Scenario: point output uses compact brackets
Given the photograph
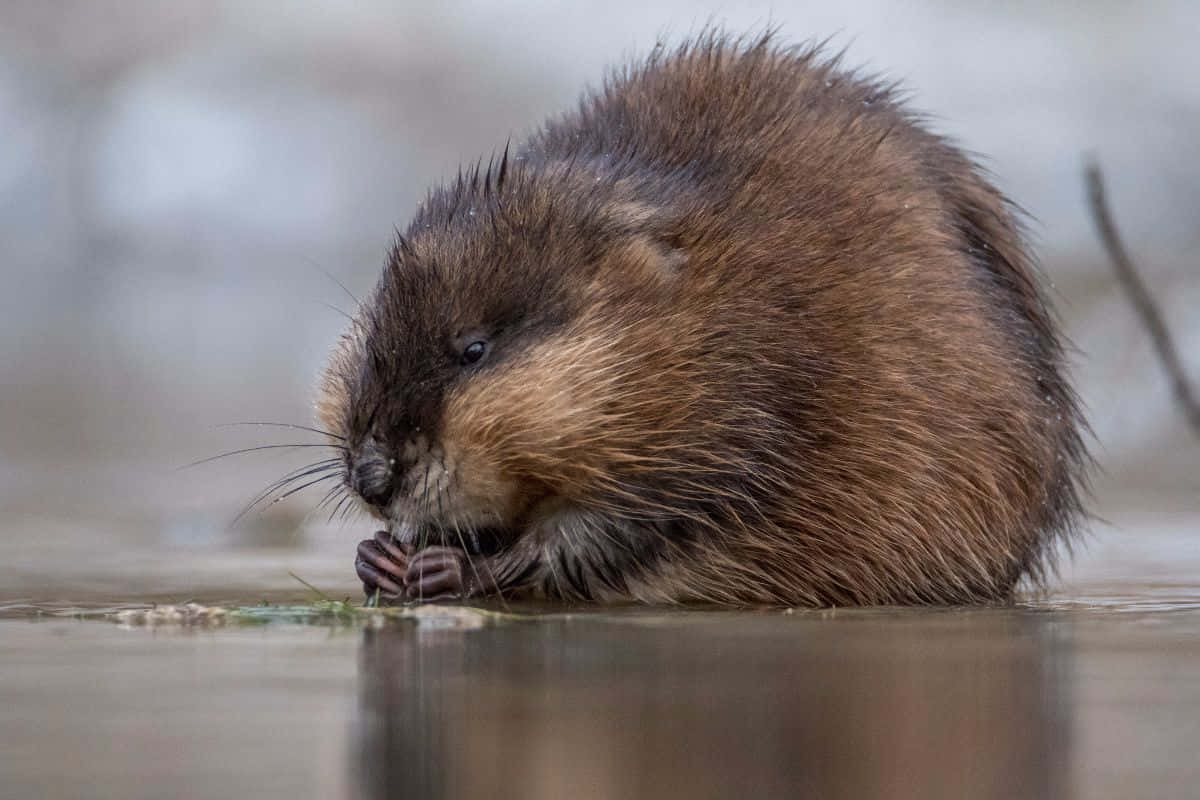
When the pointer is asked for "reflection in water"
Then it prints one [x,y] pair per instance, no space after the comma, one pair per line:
[917,705]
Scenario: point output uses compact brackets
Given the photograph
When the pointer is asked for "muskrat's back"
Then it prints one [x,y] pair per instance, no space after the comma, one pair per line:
[746,333]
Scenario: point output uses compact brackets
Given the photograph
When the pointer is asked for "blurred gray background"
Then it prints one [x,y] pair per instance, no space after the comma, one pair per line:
[177,178]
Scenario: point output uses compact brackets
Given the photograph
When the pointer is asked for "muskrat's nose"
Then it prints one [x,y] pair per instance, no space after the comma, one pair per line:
[371,474]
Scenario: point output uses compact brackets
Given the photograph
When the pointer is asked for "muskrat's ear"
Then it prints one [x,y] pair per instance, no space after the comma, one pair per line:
[648,239]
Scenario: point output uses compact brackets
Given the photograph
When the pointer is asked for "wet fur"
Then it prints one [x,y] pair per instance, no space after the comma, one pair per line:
[759,338]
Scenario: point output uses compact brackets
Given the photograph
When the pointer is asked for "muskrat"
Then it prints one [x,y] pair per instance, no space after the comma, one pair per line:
[738,330]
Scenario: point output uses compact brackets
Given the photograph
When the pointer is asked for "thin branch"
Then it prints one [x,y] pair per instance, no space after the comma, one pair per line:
[1132,283]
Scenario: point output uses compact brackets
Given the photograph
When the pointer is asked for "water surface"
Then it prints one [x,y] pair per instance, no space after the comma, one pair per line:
[1062,699]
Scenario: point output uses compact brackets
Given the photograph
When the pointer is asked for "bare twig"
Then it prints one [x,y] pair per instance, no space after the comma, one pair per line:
[1132,283]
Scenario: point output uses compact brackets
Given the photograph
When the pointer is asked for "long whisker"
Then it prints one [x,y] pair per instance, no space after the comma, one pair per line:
[283,425]
[253,450]
[470,559]
[462,541]
[553,573]
[278,484]
[488,566]
[302,472]
[422,531]
[338,507]
[301,487]
[425,492]
[346,509]
[328,497]
[322,502]
[341,285]
[291,492]
[327,466]
[336,310]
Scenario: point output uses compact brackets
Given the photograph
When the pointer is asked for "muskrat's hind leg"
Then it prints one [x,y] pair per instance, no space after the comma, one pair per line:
[381,565]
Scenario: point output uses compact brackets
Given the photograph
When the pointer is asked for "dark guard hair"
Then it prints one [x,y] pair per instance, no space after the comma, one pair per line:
[739,329]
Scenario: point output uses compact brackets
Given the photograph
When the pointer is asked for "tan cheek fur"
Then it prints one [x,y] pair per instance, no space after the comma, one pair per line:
[520,423]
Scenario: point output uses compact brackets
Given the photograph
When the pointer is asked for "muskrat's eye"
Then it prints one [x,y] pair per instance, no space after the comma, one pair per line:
[473,352]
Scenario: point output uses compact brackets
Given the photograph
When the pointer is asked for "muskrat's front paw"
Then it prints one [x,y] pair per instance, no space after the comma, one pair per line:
[436,573]
[381,564]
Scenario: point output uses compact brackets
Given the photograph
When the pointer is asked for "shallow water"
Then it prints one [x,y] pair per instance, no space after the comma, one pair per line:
[1063,699]
[1088,691]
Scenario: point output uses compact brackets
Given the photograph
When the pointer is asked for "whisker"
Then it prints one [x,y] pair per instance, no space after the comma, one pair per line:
[336,310]
[474,534]
[253,450]
[346,509]
[341,285]
[283,425]
[441,511]
[337,507]
[301,487]
[470,559]
[487,565]
[303,472]
[425,492]
[328,497]
[553,573]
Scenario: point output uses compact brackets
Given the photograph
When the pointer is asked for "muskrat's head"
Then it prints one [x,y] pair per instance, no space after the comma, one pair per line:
[503,359]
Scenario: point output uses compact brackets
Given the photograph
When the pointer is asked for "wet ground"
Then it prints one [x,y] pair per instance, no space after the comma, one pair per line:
[1090,691]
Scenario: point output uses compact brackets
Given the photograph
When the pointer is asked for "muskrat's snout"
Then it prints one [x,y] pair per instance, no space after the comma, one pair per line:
[373,473]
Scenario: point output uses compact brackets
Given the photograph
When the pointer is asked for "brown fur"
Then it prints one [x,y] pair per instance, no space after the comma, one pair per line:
[754,336]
